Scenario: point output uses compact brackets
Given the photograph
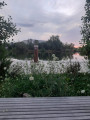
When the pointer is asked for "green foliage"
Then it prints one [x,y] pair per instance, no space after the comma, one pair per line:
[74,68]
[85,29]
[46,85]
[41,86]
[2,4]
[54,43]
[40,83]
[7,29]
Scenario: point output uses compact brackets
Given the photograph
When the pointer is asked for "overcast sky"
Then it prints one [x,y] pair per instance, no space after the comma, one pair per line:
[39,19]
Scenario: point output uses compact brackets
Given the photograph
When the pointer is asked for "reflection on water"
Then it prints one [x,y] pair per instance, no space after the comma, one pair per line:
[78,57]
[65,61]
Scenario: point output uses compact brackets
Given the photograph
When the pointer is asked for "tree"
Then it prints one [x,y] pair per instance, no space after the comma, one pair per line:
[54,43]
[7,29]
[85,29]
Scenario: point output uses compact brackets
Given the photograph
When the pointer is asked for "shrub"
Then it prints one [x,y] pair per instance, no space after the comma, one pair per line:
[7,29]
[73,68]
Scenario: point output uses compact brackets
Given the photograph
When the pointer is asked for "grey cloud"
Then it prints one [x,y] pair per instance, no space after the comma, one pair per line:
[25,25]
[40,17]
[72,36]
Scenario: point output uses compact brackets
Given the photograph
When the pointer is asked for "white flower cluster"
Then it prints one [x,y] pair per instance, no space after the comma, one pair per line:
[54,57]
[31,78]
[5,68]
[88,85]
[82,91]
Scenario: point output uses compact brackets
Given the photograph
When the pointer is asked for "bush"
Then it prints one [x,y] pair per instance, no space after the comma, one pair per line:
[7,29]
[73,68]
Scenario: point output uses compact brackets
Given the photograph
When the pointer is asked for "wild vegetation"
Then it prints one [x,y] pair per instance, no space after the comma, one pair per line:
[41,80]
[7,29]
[85,30]
[42,85]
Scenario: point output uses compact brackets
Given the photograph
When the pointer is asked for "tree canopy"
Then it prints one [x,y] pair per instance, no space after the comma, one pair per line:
[7,29]
[85,29]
